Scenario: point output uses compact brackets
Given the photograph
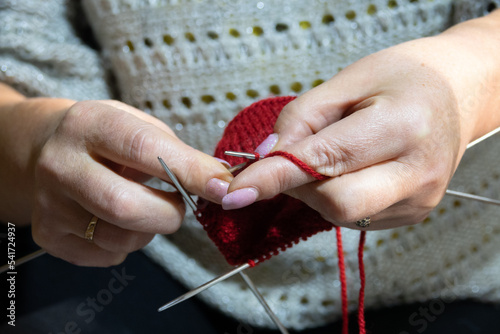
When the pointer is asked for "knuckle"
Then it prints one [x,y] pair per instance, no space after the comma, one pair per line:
[328,157]
[190,171]
[140,142]
[47,165]
[342,209]
[119,204]
[42,228]
[173,224]
[76,115]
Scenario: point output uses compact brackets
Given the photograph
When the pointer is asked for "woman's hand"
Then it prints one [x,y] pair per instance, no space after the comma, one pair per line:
[87,159]
[389,130]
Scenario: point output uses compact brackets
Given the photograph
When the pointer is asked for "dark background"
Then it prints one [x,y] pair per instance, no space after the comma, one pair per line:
[49,292]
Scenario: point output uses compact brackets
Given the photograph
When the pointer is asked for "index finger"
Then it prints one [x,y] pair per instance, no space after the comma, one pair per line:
[125,139]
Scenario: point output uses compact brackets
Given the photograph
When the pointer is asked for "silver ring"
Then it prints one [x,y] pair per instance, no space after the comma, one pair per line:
[89,232]
[365,222]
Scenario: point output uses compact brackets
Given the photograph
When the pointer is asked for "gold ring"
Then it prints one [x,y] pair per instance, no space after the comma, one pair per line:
[363,222]
[89,233]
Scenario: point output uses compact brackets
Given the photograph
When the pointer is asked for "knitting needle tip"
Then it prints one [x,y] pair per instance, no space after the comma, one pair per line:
[203,287]
[236,168]
[173,302]
[241,155]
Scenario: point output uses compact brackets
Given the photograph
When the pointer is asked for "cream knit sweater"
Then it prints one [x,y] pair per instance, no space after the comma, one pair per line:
[194,64]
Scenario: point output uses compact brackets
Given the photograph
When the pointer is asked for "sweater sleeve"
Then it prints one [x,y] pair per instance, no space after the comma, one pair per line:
[468,9]
[41,53]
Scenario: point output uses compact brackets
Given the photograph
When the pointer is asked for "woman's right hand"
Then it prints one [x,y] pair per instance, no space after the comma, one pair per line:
[89,159]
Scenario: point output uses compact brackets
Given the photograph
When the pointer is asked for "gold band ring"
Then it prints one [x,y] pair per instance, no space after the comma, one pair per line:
[365,222]
[89,233]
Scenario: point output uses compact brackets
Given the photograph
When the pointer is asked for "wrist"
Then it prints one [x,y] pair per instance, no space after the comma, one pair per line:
[478,67]
[25,126]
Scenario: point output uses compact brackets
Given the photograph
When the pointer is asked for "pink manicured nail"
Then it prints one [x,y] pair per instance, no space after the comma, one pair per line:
[239,198]
[224,162]
[267,145]
[216,189]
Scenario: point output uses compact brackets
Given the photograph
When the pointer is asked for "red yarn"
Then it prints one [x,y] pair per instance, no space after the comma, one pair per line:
[343,282]
[299,163]
[361,300]
[259,231]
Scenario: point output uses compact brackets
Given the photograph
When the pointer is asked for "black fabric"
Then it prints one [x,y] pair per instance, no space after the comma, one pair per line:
[54,297]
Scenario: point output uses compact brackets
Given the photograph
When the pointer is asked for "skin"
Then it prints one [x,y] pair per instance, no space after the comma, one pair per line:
[65,161]
[389,130]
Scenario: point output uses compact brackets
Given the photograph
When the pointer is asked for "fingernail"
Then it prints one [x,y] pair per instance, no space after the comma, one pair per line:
[216,189]
[224,162]
[267,145]
[239,198]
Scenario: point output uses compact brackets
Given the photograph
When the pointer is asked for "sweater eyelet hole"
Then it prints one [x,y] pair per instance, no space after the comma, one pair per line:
[350,15]
[392,4]
[231,96]
[280,27]
[275,89]
[168,39]
[234,33]
[148,42]
[372,9]
[190,37]
[252,93]
[327,19]
[257,31]
[186,101]
[305,25]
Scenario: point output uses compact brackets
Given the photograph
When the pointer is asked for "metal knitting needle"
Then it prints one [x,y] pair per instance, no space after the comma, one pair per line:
[261,299]
[178,185]
[486,136]
[203,287]
[252,156]
[236,168]
[174,179]
[472,197]
[248,281]
[448,191]
[245,155]
[216,280]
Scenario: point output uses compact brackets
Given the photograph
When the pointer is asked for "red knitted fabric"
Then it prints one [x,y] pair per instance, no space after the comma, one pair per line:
[265,228]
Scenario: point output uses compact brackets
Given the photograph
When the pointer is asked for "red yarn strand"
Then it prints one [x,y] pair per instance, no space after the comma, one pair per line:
[343,282]
[361,300]
[340,252]
[299,163]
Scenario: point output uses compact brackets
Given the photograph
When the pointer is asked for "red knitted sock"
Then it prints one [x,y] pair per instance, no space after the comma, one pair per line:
[265,228]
